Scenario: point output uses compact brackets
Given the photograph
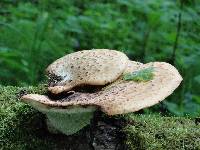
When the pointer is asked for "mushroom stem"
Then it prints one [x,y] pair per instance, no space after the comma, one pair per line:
[69,123]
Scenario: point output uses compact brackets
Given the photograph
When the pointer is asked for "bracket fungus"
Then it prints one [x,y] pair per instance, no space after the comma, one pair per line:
[128,87]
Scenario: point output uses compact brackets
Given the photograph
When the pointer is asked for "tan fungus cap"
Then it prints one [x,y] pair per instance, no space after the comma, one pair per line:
[122,96]
[87,67]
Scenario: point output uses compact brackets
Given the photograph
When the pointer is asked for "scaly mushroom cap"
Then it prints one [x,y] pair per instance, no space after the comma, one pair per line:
[122,96]
[87,67]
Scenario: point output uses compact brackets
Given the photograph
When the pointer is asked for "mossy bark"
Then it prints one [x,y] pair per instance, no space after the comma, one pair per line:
[22,127]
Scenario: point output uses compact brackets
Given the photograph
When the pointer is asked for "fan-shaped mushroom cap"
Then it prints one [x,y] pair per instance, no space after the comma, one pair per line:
[87,67]
[123,96]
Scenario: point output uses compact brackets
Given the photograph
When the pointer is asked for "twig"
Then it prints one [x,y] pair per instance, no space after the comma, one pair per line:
[144,47]
[173,57]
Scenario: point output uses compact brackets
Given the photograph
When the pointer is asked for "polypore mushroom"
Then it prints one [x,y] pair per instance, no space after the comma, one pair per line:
[88,67]
[140,86]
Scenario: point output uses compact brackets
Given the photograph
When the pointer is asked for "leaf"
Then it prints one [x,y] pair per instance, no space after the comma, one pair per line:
[197,79]
[196,99]
[141,75]
[174,108]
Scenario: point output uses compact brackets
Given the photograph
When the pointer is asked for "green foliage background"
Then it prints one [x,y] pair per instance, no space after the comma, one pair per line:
[34,33]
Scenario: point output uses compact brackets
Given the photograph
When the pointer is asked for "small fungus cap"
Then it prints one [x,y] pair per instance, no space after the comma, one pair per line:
[122,96]
[87,67]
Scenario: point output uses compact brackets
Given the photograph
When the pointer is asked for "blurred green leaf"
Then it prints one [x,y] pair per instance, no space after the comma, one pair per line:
[197,79]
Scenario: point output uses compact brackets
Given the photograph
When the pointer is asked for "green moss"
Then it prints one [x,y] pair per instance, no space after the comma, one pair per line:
[140,75]
[156,132]
[19,123]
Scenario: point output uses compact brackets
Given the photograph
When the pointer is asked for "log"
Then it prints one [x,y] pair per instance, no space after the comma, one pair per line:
[22,127]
